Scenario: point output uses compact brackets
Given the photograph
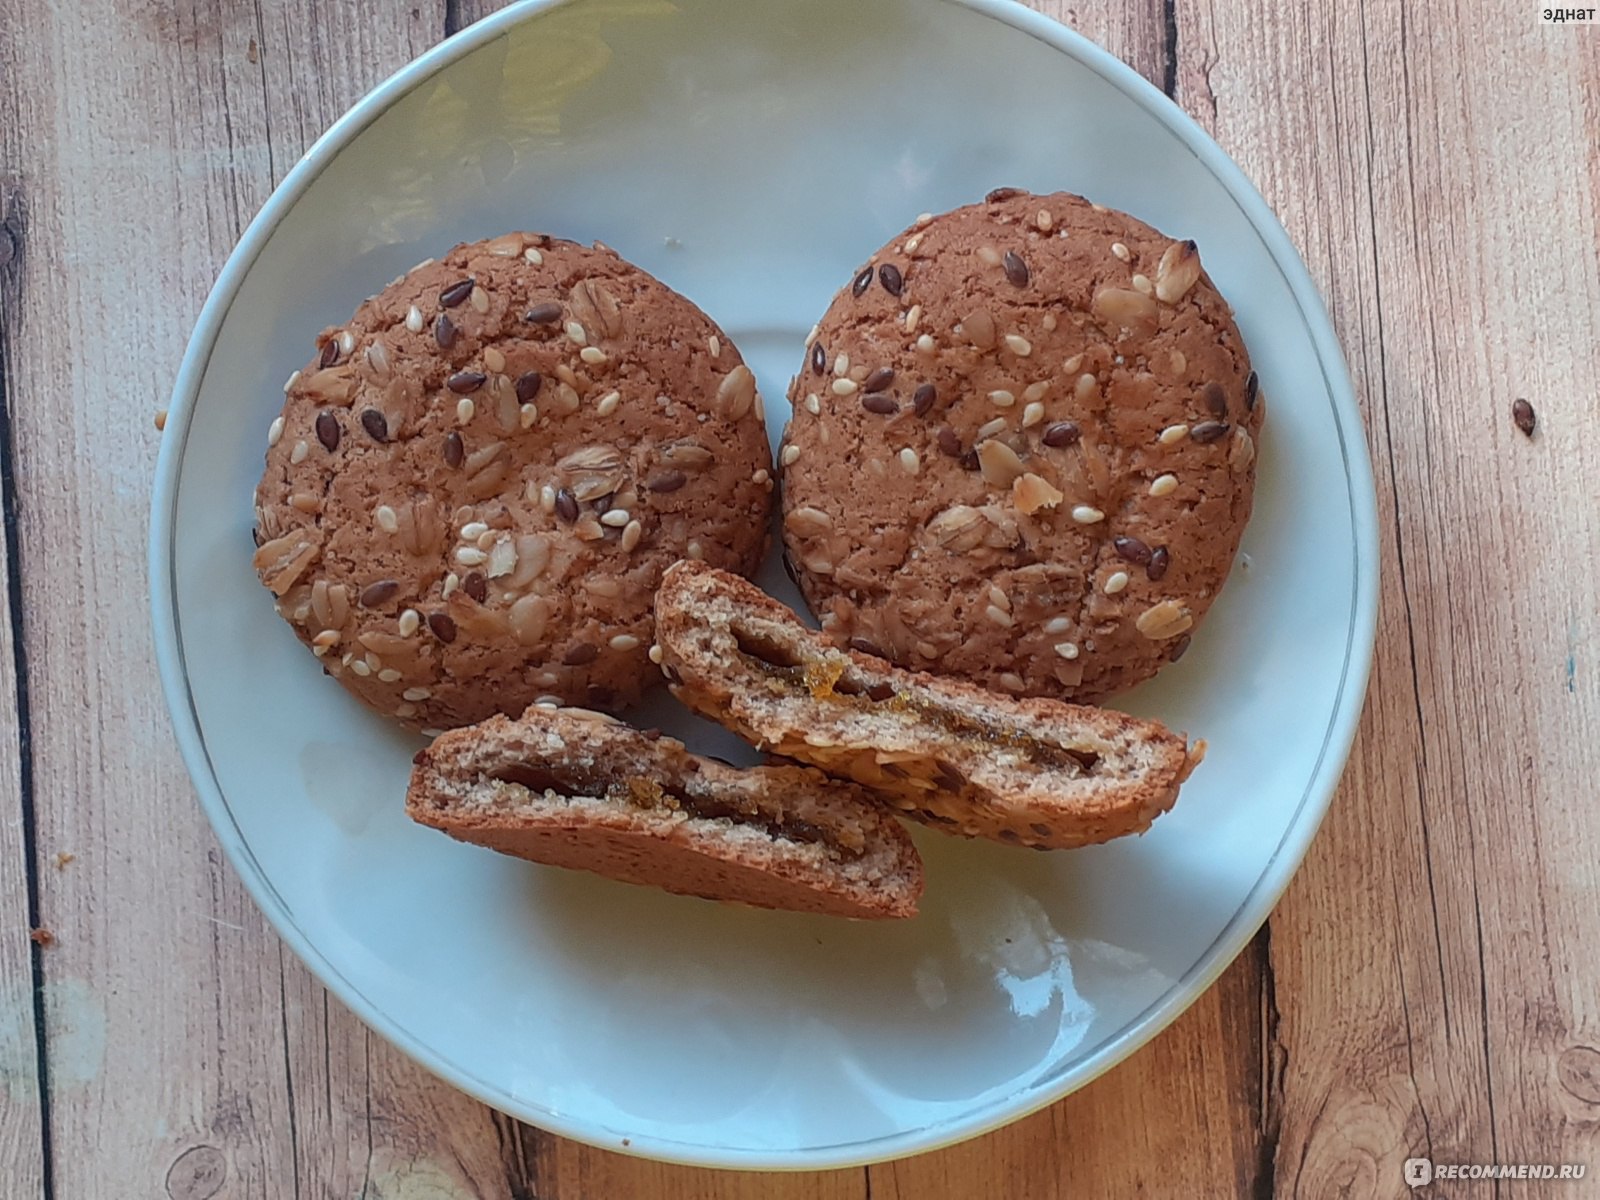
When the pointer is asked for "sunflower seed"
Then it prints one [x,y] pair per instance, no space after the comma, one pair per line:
[328,431]
[861,282]
[376,426]
[1164,620]
[547,313]
[891,279]
[442,627]
[999,463]
[1177,272]
[1016,270]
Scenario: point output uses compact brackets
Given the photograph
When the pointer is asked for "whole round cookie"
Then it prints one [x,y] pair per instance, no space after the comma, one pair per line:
[1022,449]
[476,483]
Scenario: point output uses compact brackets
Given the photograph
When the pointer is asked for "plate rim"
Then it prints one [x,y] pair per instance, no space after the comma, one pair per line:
[1252,912]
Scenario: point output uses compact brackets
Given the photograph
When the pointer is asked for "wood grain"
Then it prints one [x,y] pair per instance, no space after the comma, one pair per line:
[1428,984]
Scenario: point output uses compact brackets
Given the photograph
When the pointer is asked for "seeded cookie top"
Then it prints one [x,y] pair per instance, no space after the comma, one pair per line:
[475,485]
[1022,449]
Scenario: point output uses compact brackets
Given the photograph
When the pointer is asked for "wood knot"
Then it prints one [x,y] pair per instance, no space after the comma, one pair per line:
[1578,1069]
[197,1174]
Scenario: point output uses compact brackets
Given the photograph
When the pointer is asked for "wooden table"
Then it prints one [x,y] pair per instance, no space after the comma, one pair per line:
[1431,983]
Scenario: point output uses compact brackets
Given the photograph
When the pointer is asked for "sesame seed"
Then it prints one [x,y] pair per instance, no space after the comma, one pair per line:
[1049,322]
[359,666]
[1142,284]
[1121,251]
[999,616]
[470,556]
[632,532]
[409,622]
[532,255]
[608,402]
[274,431]
[473,530]
[694,551]
[386,519]
[288,384]
[547,498]
[416,693]
[791,455]
[494,359]
[389,675]
[925,344]
[913,316]
[989,428]
[761,476]
[451,582]
[296,456]
[480,300]
[1115,582]
[1019,345]
[1163,485]
[1173,433]
[924,219]
[813,404]
[1011,681]
[1070,367]
[328,637]
[841,365]
[1032,415]
[414,319]
[1083,514]
[714,344]
[615,517]
[909,461]
[1057,625]
[998,597]
[464,410]
[577,333]
[528,416]
[347,342]
[1067,650]
[844,387]
[1002,398]
[989,255]
[1035,391]
[1044,220]
[624,642]
[593,355]
[655,654]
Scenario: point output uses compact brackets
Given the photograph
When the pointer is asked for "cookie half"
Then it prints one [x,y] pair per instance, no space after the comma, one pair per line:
[1023,449]
[474,486]
[578,789]
[1032,772]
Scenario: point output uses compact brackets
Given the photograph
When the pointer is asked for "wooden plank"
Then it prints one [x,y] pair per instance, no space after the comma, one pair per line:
[1434,943]
[22,1112]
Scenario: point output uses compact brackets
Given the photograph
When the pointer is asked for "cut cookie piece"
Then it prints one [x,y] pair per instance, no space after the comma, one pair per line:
[1036,772]
[578,789]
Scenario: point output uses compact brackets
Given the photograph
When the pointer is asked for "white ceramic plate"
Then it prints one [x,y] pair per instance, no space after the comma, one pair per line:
[750,155]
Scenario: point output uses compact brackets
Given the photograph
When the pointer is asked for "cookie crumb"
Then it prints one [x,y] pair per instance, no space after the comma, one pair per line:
[1522,413]
[42,937]
[62,859]
[161,419]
